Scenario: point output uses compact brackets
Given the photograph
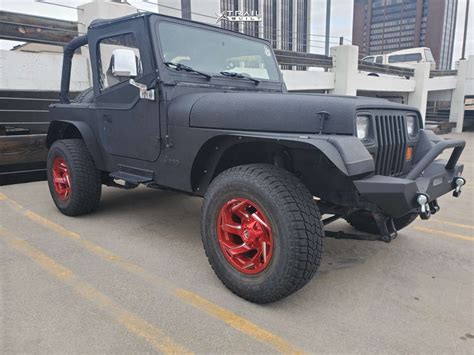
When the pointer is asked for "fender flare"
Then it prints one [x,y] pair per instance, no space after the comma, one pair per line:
[57,130]
[346,153]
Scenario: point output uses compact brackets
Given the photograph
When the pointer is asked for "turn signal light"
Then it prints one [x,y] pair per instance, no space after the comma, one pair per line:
[409,154]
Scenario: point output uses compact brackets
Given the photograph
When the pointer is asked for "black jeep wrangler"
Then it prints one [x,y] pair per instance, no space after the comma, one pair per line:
[186,106]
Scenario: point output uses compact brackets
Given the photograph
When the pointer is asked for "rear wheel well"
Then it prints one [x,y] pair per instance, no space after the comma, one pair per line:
[62,130]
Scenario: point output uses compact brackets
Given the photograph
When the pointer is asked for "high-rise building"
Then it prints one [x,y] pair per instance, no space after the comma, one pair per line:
[285,23]
[383,26]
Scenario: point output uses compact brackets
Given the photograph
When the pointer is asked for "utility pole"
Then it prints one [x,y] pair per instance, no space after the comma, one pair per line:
[328,26]
[466,20]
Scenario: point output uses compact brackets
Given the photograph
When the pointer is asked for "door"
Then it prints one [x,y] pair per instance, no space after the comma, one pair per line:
[128,122]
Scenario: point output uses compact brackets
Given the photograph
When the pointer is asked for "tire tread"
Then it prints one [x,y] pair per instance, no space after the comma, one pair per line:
[87,179]
[304,221]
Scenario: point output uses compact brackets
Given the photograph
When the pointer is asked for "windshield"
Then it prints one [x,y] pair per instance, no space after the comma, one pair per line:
[213,52]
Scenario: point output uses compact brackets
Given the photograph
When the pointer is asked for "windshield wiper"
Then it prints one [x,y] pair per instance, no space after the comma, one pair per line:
[180,67]
[232,74]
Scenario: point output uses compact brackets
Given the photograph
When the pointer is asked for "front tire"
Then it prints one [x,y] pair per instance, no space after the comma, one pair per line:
[261,231]
[73,180]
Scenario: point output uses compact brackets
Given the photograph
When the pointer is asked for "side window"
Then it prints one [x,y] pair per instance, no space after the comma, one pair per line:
[413,57]
[368,59]
[396,58]
[119,60]
[399,58]
[379,59]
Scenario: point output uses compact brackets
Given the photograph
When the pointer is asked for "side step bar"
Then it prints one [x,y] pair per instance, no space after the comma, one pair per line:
[132,175]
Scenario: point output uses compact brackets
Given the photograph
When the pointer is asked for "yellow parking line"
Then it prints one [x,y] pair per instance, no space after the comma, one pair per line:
[48,224]
[228,317]
[236,321]
[136,325]
[443,233]
[466,226]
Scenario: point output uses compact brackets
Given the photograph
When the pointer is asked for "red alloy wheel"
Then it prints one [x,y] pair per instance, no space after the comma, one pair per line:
[245,236]
[61,178]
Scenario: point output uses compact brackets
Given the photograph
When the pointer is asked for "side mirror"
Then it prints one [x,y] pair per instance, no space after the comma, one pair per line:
[124,63]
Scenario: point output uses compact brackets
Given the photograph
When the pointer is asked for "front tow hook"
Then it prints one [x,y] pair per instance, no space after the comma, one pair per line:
[458,182]
[425,210]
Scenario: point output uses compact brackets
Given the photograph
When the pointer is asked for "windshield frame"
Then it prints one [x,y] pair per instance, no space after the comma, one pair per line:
[169,74]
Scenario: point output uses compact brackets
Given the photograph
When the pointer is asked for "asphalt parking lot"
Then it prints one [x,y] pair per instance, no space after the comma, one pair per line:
[133,277]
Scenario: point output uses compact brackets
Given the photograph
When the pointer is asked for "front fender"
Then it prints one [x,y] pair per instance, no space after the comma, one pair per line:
[346,153]
[63,129]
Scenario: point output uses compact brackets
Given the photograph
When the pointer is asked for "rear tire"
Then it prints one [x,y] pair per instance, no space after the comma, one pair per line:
[282,213]
[74,182]
[364,222]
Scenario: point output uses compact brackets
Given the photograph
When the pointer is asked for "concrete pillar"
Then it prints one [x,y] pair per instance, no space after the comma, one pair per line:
[456,113]
[419,97]
[345,61]
[96,9]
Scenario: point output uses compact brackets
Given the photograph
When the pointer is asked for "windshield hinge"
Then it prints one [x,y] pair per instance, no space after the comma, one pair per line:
[144,92]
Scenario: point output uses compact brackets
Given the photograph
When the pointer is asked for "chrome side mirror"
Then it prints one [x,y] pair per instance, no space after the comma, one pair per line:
[124,63]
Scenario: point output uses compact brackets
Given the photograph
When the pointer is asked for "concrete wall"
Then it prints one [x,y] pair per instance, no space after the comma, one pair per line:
[40,71]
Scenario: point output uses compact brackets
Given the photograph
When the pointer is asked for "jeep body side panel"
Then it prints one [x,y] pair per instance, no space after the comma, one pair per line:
[82,117]
[176,163]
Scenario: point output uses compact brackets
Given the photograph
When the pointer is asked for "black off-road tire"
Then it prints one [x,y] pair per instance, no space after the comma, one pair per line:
[85,179]
[295,223]
[364,222]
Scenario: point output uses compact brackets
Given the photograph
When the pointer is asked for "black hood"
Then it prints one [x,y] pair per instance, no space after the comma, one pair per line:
[274,112]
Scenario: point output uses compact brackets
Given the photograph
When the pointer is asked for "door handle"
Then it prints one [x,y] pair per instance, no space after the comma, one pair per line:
[107,118]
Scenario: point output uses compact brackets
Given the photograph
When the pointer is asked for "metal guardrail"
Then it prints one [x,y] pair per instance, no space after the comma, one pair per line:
[438,73]
[385,69]
[303,59]
[26,110]
[23,124]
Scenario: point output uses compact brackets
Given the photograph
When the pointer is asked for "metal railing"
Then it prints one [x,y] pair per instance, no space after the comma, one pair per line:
[438,73]
[385,69]
[303,59]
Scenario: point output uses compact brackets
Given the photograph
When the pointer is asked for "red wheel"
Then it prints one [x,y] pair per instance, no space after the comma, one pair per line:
[74,182]
[261,231]
[245,236]
[61,178]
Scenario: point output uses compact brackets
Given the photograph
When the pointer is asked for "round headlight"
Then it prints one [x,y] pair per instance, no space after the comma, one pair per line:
[411,125]
[362,125]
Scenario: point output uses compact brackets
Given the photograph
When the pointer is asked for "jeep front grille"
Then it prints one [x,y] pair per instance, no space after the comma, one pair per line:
[391,135]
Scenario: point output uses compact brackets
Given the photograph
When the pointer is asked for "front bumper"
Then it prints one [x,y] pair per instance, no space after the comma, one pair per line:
[396,196]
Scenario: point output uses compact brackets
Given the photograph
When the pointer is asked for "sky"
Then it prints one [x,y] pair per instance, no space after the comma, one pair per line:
[341,19]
